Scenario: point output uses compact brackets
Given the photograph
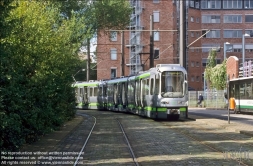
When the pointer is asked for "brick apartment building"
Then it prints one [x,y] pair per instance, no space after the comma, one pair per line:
[222,21]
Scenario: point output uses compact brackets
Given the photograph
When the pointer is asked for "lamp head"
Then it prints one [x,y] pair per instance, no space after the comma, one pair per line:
[246,35]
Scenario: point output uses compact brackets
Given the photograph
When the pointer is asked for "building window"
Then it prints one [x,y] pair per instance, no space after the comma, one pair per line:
[113,54]
[232,34]
[210,19]
[204,62]
[197,34]
[197,64]
[197,20]
[113,72]
[208,47]
[192,64]
[210,4]
[192,34]
[213,34]
[156,15]
[197,78]
[248,18]
[249,32]
[232,4]
[156,36]
[232,19]
[192,78]
[157,53]
[113,36]
[192,3]
[156,1]
[249,47]
[248,4]
[237,50]
[192,19]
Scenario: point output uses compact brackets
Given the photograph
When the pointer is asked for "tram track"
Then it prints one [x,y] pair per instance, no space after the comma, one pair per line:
[200,138]
[96,143]
[120,139]
[85,143]
[128,143]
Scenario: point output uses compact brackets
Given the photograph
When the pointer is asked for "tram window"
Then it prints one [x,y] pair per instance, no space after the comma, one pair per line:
[91,90]
[152,86]
[95,91]
[123,93]
[100,91]
[157,84]
[143,85]
[248,90]
[147,87]
[105,91]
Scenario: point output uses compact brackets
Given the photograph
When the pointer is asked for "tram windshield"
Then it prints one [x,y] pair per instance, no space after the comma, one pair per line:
[172,83]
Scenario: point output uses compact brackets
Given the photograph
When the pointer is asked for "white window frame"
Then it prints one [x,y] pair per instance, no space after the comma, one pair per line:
[232,4]
[156,15]
[113,54]
[232,19]
[157,49]
[156,1]
[210,18]
[113,36]
[248,4]
[197,20]
[192,34]
[210,4]
[213,34]
[250,18]
[156,36]
[208,47]
[192,78]
[192,19]
[114,68]
[233,33]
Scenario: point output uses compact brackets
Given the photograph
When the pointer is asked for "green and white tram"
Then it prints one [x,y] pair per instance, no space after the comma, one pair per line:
[159,93]
[86,94]
[242,90]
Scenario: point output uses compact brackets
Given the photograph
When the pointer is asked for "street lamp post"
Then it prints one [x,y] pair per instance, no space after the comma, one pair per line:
[225,49]
[243,48]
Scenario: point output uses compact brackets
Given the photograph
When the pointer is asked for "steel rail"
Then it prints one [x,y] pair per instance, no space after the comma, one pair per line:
[86,141]
[128,144]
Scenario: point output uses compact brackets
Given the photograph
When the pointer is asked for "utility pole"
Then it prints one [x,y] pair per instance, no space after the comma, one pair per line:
[88,60]
[122,54]
[182,44]
[151,64]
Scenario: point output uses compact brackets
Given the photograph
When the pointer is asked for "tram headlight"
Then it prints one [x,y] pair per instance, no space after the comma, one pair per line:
[165,102]
[173,111]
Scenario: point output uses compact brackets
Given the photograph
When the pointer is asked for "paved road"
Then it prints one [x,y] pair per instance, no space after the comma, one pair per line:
[165,143]
[222,115]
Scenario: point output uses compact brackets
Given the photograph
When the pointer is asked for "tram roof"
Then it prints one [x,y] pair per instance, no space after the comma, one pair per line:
[242,78]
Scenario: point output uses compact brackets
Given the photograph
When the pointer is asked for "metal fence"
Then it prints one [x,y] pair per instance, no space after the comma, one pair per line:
[212,99]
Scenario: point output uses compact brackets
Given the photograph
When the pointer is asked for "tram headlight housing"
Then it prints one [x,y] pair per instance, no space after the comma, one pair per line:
[173,111]
[165,102]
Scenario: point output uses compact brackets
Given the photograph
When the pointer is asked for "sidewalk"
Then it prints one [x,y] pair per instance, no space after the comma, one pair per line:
[238,122]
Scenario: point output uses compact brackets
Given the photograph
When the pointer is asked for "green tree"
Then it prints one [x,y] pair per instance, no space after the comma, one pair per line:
[215,74]
[39,44]
[38,60]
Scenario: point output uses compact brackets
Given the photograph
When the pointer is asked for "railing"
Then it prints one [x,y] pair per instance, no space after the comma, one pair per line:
[214,99]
